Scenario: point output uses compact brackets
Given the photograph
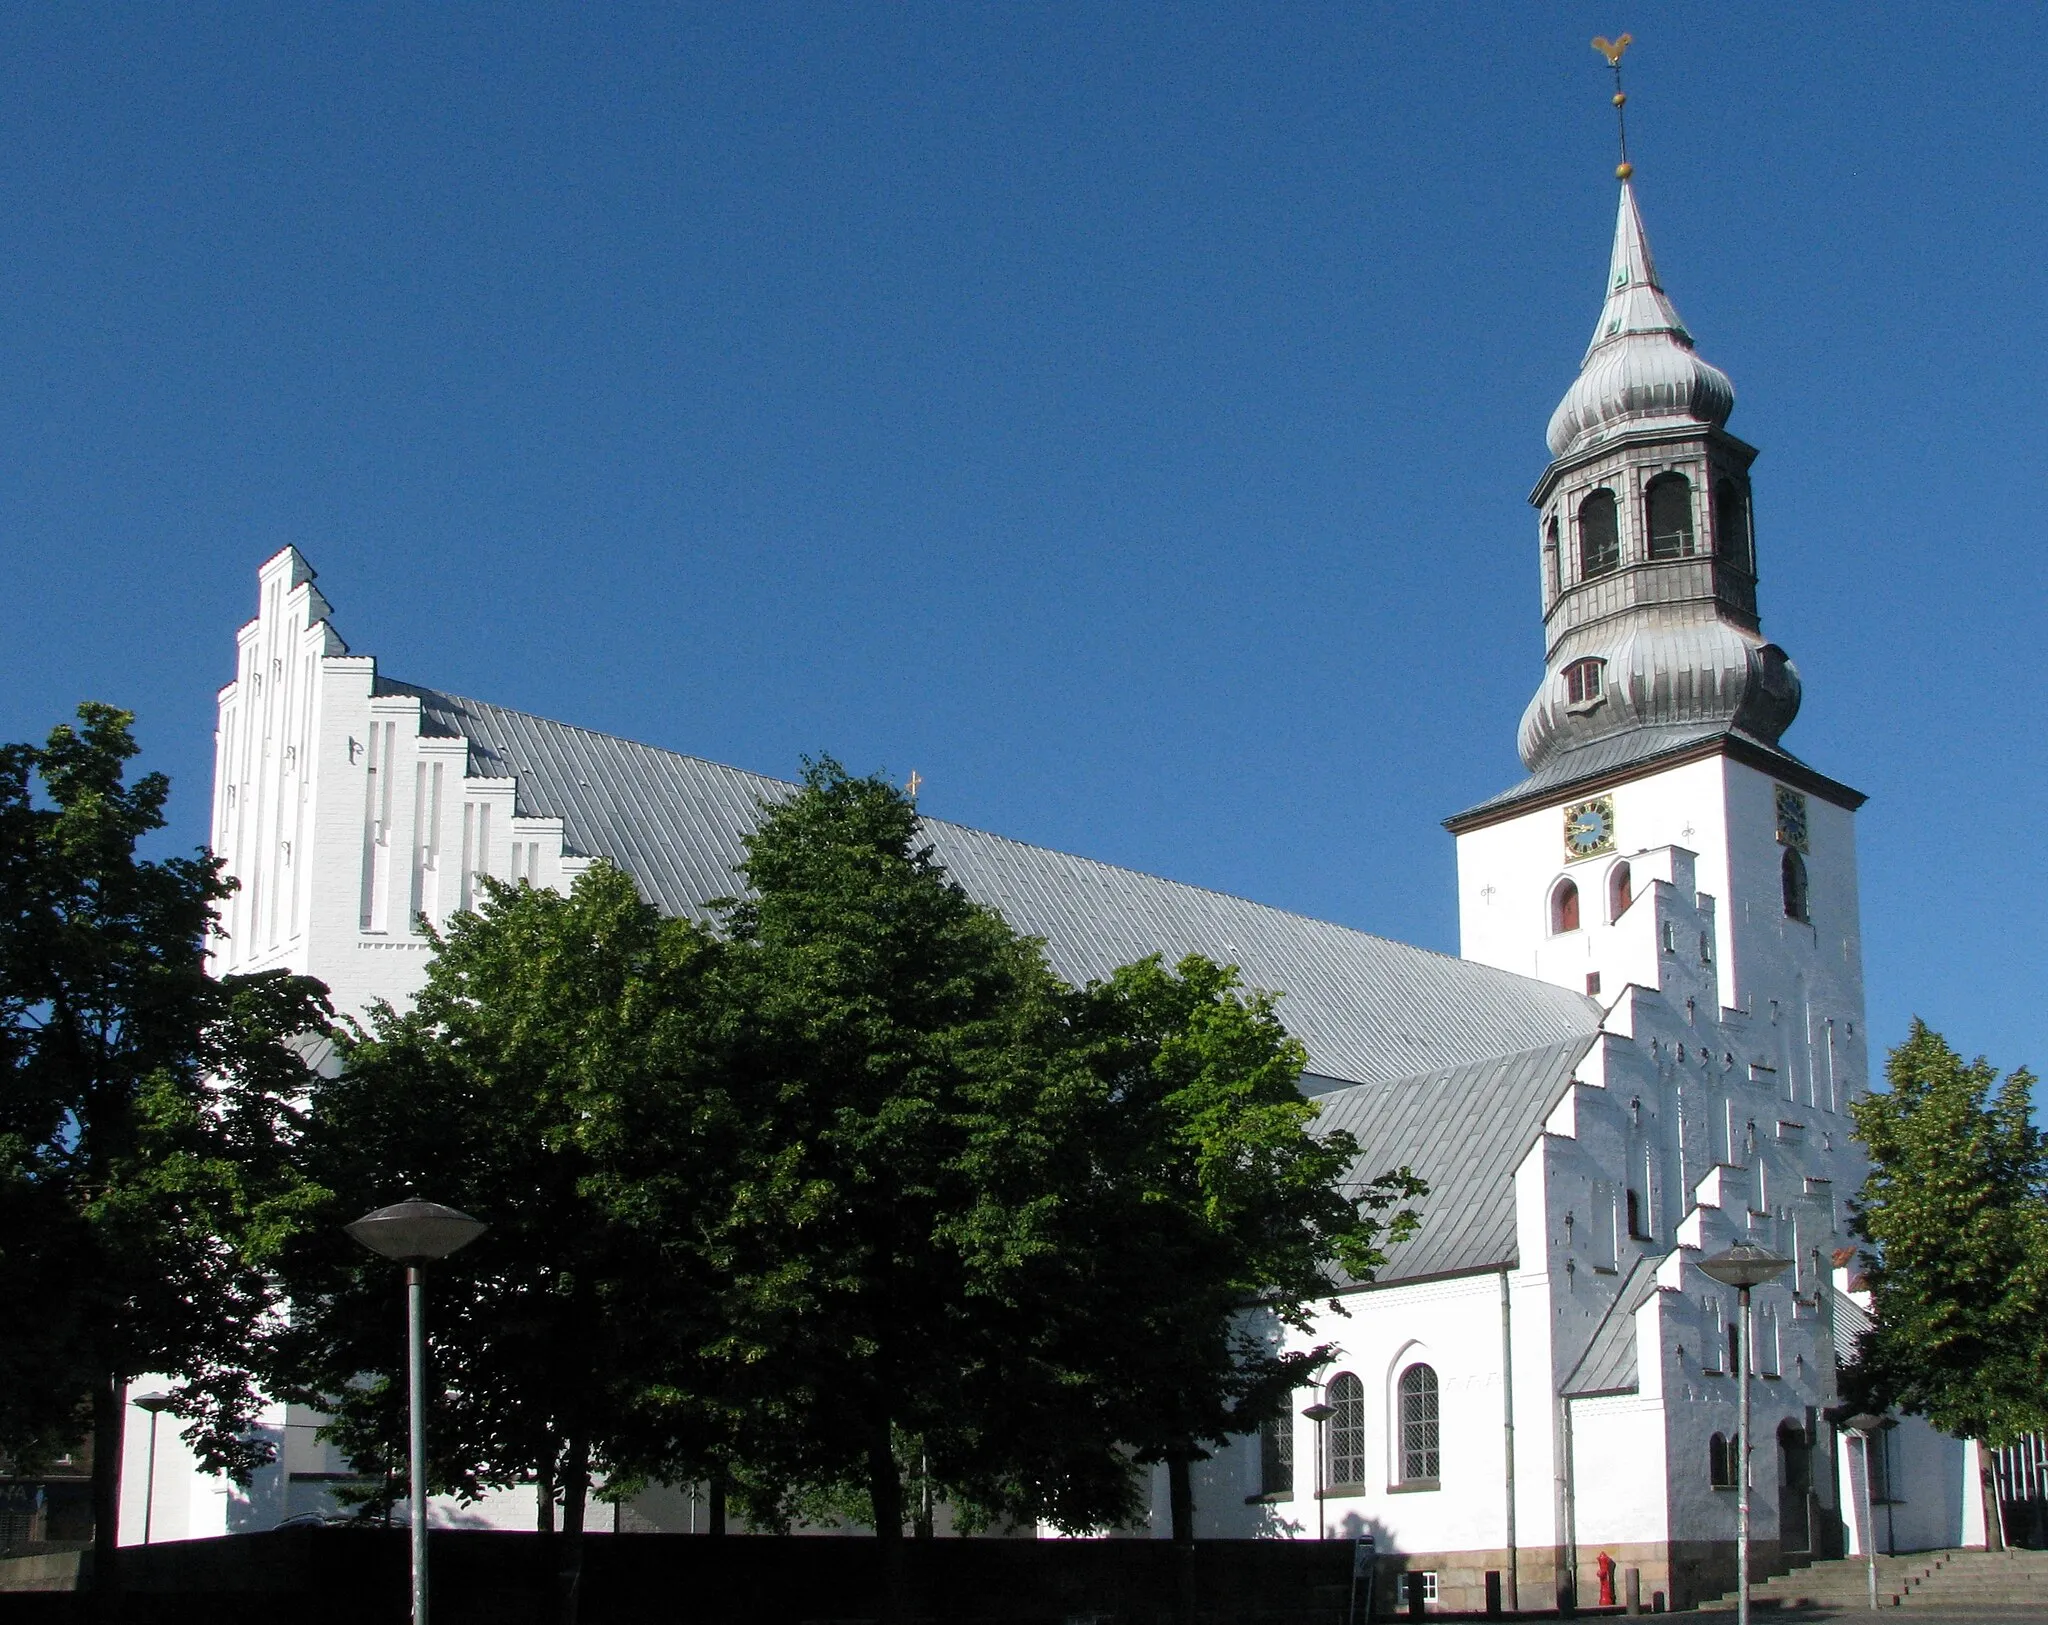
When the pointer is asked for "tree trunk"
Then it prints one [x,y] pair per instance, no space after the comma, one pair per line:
[544,1494]
[109,1420]
[885,1493]
[1994,1508]
[1180,1496]
[714,1512]
[575,1496]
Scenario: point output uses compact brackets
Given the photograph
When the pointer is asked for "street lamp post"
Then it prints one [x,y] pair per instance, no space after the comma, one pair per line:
[1320,1413]
[1743,1266]
[414,1233]
[156,1405]
[1865,1428]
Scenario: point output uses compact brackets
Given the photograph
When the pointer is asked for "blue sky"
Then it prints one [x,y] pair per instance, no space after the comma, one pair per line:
[1120,415]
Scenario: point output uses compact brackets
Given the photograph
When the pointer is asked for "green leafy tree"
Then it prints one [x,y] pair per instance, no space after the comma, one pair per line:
[515,1087]
[145,1123]
[1018,1236]
[1955,1211]
[1236,1217]
[874,1006]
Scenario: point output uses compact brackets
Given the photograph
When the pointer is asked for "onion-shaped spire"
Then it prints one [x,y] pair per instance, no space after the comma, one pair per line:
[1640,370]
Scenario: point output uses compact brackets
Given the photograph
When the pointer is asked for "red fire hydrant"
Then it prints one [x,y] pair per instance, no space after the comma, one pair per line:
[1604,1567]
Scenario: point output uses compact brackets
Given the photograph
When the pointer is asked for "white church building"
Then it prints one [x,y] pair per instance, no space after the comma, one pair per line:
[1646,1051]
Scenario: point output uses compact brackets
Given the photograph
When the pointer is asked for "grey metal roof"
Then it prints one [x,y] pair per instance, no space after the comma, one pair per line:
[1851,1321]
[1368,1010]
[1609,1364]
[1464,1130]
[1602,758]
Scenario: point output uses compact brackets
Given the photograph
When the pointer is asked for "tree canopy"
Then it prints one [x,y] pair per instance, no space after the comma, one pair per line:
[1955,1212]
[146,1113]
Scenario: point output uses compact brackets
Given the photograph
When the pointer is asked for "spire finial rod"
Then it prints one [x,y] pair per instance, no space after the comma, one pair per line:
[1612,49]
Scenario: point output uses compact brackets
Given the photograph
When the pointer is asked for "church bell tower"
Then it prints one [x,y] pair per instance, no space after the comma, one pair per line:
[1652,742]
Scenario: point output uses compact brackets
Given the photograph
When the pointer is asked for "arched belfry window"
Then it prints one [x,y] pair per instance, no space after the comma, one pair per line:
[1564,907]
[1346,1398]
[1620,891]
[1793,873]
[1731,525]
[1421,1457]
[1552,570]
[1669,500]
[1599,535]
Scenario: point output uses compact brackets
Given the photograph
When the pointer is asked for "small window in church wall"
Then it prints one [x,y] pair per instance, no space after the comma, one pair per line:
[1346,1399]
[1421,1454]
[1564,908]
[1792,871]
[1721,1462]
[1620,891]
[1731,525]
[1276,1458]
[1669,501]
[1583,681]
[1599,535]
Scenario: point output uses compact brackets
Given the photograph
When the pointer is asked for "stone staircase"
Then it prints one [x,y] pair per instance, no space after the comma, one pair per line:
[1929,1582]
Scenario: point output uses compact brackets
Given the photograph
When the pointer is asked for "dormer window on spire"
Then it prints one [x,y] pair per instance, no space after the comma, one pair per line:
[1583,682]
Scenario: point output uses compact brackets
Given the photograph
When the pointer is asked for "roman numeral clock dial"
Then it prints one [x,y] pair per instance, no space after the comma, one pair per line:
[1589,828]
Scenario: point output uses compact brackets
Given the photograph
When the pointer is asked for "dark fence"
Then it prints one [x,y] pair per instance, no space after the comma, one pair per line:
[2021,1472]
[359,1577]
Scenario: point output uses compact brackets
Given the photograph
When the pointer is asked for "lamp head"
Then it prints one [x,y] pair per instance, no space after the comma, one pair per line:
[153,1403]
[415,1232]
[1745,1265]
[1319,1412]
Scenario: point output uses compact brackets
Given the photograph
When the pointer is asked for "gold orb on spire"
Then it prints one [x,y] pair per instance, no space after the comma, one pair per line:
[1623,171]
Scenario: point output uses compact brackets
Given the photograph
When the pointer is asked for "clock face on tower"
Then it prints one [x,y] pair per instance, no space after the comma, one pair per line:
[1589,828]
[1791,819]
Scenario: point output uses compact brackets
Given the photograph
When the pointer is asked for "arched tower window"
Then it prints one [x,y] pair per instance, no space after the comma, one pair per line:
[1793,873]
[1552,570]
[1346,1399]
[1564,907]
[1583,681]
[1599,536]
[1669,500]
[1620,891]
[1421,1458]
[1731,525]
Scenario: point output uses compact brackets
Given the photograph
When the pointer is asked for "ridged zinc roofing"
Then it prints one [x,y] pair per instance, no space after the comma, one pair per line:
[1609,1364]
[1628,749]
[1463,1129]
[1368,1010]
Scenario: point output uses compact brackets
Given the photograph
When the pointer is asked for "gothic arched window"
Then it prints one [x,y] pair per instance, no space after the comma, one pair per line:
[1620,891]
[1421,1458]
[1793,873]
[1564,907]
[1669,500]
[1346,1399]
[1731,525]
[1599,535]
